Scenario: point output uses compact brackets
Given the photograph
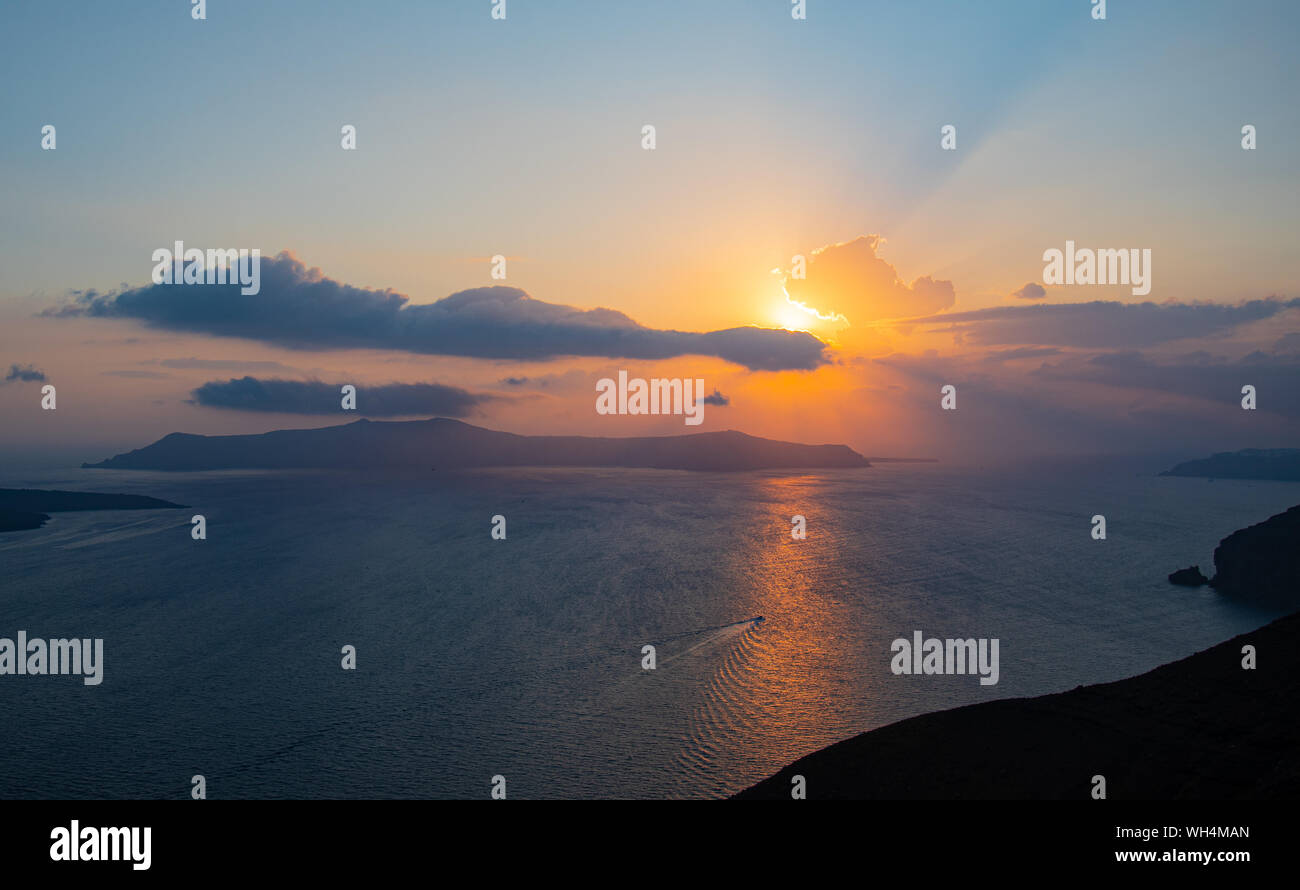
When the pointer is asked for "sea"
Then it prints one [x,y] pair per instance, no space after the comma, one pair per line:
[521,662]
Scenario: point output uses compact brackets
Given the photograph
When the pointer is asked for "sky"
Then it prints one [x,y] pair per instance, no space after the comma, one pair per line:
[774,138]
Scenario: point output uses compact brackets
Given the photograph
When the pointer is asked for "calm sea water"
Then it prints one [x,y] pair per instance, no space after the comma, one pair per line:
[522,657]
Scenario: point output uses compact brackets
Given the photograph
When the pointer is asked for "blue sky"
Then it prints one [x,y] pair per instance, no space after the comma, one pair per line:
[474,132]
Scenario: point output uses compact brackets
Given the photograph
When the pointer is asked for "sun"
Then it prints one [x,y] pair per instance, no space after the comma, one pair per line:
[790,318]
[794,316]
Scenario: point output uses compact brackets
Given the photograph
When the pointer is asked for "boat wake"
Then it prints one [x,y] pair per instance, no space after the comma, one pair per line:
[757,619]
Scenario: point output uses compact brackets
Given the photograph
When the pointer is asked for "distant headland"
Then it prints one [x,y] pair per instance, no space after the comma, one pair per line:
[452,444]
[28,508]
[1278,464]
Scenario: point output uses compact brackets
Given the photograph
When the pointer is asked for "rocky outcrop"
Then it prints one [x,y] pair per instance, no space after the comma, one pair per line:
[21,520]
[1189,577]
[1261,562]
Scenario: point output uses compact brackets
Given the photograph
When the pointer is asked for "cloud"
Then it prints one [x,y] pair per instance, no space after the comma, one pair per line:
[1130,359]
[24,374]
[142,375]
[1274,377]
[1124,402]
[716,398]
[930,366]
[1287,344]
[573,380]
[1109,325]
[300,308]
[849,279]
[314,397]
[1031,291]
[1021,352]
[219,364]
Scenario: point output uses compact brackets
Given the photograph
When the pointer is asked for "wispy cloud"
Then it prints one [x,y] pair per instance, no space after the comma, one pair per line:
[137,374]
[1274,377]
[219,364]
[1022,352]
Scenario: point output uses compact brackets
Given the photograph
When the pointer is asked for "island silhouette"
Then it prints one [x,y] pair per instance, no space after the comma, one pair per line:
[443,443]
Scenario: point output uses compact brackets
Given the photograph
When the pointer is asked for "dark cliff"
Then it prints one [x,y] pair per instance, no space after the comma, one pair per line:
[1263,561]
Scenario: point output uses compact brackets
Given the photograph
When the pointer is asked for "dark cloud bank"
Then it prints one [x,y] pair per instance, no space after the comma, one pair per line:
[299,307]
[315,397]
[1109,325]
